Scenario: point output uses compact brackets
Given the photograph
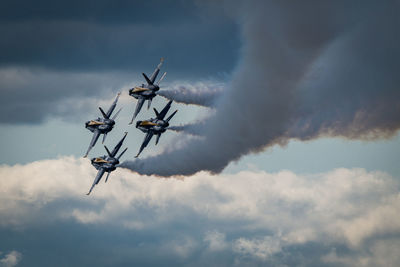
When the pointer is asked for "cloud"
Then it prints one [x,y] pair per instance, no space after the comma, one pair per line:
[10,259]
[182,247]
[306,70]
[382,253]
[216,240]
[86,36]
[261,248]
[249,216]
[88,50]
[31,96]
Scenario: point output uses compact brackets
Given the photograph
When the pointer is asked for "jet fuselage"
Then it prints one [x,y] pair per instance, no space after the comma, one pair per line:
[103,125]
[154,125]
[105,162]
[144,91]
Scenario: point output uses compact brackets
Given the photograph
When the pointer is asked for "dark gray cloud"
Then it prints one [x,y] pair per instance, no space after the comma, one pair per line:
[124,35]
[307,69]
[55,53]
[72,244]
[189,47]
[31,96]
[120,11]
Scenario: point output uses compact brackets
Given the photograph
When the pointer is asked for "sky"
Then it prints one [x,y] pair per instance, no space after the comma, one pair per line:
[284,150]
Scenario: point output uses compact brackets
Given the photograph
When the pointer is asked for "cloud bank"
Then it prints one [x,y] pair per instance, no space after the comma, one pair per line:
[86,49]
[346,217]
[306,70]
[101,36]
[31,96]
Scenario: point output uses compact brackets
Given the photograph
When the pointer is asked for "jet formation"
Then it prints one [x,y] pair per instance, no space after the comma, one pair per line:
[153,126]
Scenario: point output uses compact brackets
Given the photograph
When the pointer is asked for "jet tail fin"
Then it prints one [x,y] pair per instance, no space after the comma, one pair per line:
[108,151]
[162,77]
[120,155]
[116,114]
[104,114]
[165,110]
[149,82]
[112,107]
[118,146]
[156,71]
[173,114]
[156,111]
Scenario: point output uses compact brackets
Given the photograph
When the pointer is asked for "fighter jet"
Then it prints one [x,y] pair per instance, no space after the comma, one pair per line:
[107,163]
[154,126]
[102,125]
[146,91]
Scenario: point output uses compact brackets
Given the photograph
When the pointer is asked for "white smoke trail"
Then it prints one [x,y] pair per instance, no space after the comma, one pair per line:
[199,93]
[191,128]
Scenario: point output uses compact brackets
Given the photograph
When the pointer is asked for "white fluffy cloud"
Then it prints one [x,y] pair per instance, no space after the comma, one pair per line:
[10,259]
[252,214]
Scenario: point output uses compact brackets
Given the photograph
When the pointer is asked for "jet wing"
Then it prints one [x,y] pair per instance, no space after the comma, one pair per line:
[100,174]
[114,104]
[96,135]
[146,140]
[156,71]
[158,138]
[138,108]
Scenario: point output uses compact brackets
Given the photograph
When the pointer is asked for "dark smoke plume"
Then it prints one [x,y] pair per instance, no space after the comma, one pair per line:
[307,69]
